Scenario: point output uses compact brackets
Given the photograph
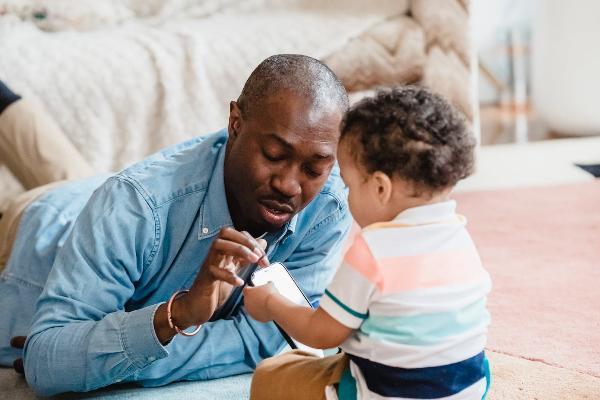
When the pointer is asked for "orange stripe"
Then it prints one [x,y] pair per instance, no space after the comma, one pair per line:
[360,258]
[430,270]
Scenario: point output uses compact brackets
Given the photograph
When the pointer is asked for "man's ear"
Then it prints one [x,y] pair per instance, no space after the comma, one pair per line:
[235,120]
[383,186]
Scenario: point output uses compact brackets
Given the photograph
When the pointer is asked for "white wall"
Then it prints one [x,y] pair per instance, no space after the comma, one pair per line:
[566,65]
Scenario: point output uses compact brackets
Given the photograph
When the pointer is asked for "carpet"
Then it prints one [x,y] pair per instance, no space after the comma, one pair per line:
[515,378]
[13,386]
[542,248]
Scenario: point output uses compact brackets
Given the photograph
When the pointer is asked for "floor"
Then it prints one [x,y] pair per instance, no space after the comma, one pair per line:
[540,245]
[533,164]
[517,378]
[520,372]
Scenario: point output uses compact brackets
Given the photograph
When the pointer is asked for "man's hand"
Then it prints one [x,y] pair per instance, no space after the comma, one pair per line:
[231,251]
[18,342]
[256,301]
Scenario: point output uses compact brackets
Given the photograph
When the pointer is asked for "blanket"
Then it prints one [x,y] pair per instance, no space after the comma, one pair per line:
[130,87]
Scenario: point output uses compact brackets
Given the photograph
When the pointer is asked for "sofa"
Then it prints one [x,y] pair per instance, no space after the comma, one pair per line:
[124,78]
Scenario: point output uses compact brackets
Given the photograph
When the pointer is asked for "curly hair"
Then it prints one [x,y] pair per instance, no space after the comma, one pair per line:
[411,133]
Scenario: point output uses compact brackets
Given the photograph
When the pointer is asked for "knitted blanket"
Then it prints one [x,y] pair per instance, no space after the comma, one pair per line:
[124,89]
[124,78]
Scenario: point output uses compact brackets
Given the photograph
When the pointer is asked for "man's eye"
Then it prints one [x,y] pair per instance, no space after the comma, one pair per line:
[312,173]
[272,158]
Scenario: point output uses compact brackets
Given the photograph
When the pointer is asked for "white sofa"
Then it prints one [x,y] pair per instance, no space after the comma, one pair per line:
[124,78]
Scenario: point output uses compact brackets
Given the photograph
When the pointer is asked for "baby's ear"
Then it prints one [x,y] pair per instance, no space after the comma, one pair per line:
[383,185]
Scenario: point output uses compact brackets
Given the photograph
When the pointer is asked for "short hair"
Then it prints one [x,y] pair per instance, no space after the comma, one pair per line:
[411,133]
[302,75]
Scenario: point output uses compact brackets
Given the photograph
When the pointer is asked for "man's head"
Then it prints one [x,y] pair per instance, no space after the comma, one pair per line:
[283,135]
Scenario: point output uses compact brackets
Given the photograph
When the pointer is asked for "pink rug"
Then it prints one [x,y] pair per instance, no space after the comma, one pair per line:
[542,248]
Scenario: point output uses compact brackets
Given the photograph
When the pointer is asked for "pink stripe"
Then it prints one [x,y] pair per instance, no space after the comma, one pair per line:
[360,258]
[354,232]
[430,270]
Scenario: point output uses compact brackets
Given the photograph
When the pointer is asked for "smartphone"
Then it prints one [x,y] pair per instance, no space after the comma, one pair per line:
[287,287]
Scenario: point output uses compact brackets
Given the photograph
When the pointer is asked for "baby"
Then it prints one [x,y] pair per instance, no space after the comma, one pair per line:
[407,306]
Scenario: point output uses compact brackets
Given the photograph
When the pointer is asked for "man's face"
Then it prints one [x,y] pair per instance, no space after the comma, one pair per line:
[278,158]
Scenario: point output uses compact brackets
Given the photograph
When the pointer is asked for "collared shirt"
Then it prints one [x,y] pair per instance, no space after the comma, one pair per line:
[142,235]
[417,305]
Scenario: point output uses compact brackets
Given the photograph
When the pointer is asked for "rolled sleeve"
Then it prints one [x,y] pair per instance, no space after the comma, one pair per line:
[350,306]
[79,315]
[140,343]
[341,312]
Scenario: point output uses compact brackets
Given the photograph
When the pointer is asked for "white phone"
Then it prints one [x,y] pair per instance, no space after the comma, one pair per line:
[287,287]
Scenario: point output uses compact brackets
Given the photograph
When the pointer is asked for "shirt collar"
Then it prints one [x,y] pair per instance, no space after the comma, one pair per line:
[291,225]
[215,210]
[429,214]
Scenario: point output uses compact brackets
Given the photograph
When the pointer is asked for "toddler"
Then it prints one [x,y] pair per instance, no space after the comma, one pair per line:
[408,304]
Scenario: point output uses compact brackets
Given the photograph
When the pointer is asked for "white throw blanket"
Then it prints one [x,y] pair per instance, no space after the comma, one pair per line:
[125,90]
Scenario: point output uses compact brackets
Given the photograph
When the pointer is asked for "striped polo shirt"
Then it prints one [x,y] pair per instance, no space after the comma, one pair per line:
[414,290]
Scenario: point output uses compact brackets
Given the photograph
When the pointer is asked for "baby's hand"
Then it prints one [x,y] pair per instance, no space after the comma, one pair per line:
[256,300]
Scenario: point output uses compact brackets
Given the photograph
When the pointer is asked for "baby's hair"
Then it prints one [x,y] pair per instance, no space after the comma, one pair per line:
[413,134]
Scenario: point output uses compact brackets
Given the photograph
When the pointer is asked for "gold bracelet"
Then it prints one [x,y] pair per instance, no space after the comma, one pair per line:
[176,295]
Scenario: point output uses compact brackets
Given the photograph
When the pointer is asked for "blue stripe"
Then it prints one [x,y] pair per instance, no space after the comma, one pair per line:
[347,386]
[345,307]
[426,329]
[421,383]
[488,378]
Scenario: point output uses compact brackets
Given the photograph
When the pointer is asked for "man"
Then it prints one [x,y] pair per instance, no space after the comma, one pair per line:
[185,218]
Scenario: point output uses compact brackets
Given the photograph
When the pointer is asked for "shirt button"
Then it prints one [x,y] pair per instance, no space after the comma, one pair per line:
[150,359]
[205,230]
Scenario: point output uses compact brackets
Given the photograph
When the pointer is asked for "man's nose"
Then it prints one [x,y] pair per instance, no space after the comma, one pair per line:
[287,182]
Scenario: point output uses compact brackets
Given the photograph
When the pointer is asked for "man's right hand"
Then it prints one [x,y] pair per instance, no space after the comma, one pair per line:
[231,251]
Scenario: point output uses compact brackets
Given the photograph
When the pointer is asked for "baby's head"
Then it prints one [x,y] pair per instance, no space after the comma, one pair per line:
[404,147]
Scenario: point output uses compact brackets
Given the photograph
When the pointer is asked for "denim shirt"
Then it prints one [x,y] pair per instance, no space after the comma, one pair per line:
[112,260]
